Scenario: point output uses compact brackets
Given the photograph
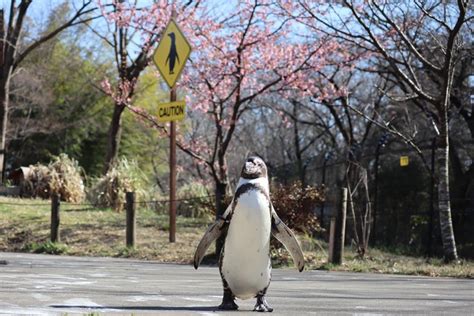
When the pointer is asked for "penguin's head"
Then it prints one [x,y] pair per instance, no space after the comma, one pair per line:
[171,35]
[254,168]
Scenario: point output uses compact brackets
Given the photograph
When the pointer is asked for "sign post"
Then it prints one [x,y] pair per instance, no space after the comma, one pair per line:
[172,173]
[169,57]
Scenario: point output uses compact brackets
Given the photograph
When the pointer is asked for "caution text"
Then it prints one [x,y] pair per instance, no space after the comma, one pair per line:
[173,111]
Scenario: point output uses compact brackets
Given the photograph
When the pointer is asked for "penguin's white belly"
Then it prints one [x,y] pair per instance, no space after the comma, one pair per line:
[246,262]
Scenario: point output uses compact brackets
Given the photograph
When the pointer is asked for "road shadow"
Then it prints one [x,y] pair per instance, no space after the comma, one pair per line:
[140,308]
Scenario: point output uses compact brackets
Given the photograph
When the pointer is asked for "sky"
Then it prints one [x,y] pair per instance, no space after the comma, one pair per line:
[38,8]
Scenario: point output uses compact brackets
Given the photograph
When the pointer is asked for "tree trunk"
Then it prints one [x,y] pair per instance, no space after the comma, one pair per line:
[298,151]
[113,142]
[4,93]
[221,191]
[4,102]
[444,205]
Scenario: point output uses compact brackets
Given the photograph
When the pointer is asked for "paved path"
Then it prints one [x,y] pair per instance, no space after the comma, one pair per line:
[56,285]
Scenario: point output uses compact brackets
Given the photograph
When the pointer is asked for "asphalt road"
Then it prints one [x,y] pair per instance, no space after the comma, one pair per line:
[56,285]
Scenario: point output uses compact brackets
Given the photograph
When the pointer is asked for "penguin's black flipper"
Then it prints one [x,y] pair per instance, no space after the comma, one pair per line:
[284,235]
[212,233]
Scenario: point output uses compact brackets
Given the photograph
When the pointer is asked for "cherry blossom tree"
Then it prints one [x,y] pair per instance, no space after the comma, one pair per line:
[246,55]
[132,31]
[240,54]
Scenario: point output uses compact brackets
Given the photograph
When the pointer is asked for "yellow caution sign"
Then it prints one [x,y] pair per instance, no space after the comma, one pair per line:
[173,111]
[172,53]
[404,161]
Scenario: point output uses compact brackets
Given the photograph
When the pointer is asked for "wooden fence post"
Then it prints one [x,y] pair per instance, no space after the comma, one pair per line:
[332,226]
[337,231]
[55,206]
[131,221]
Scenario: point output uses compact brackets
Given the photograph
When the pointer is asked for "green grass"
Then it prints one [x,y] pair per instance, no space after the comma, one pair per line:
[381,261]
[95,233]
[48,247]
[26,228]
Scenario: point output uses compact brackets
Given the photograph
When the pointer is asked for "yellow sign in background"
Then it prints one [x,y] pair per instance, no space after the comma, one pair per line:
[173,111]
[404,161]
[172,53]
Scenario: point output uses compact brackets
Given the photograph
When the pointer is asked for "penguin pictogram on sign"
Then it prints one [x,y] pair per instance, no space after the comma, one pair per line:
[173,54]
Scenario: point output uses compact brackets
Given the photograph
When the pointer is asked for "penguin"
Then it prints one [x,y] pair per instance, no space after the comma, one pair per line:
[247,224]
[173,53]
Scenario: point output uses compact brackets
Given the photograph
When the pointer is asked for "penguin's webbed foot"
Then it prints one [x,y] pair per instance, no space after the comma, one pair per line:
[262,305]
[228,306]
[228,303]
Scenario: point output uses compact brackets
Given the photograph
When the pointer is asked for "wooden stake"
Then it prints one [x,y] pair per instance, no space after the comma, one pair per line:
[338,228]
[55,206]
[130,219]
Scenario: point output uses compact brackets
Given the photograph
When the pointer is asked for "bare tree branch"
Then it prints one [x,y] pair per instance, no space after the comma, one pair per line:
[74,20]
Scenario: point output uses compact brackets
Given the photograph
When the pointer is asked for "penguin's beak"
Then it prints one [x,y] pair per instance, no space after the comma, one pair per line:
[254,168]
[250,167]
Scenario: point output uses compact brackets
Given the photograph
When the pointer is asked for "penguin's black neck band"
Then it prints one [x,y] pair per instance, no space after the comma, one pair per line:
[248,187]
[251,176]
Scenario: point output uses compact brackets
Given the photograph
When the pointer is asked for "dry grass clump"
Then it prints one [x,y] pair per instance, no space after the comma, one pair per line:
[66,179]
[109,190]
[61,176]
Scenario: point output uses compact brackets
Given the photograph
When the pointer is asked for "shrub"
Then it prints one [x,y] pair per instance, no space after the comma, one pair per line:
[109,190]
[47,247]
[195,201]
[295,205]
[61,176]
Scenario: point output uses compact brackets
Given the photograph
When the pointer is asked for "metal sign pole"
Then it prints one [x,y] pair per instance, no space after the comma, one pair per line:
[169,57]
[172,214]
[172,209]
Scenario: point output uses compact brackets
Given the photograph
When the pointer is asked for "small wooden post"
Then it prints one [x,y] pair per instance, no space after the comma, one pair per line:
[130,218]
[332,227]
[55,206]
[338,228]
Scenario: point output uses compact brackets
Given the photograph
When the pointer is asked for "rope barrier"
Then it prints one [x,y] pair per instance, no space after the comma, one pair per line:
[69,207]
[92,206]
[25,204]
[95,208]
